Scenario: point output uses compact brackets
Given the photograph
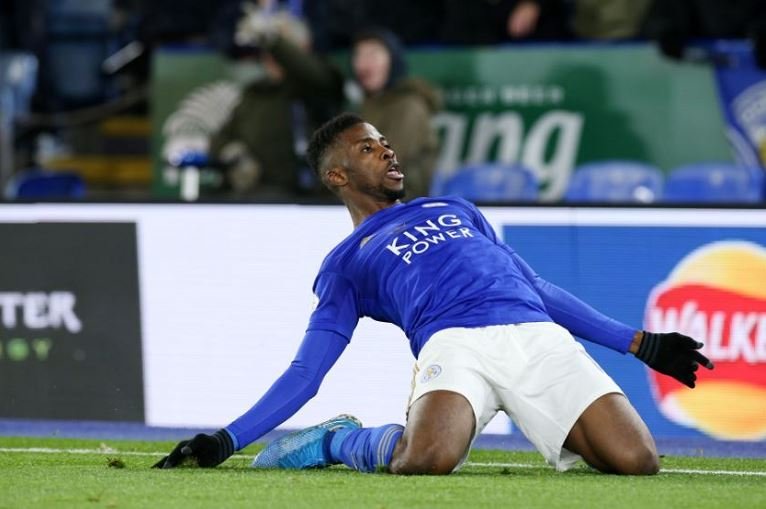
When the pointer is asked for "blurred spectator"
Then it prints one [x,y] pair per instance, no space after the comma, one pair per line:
[608,19]
[292,91]
[672,23]
[400,106]
[494,21]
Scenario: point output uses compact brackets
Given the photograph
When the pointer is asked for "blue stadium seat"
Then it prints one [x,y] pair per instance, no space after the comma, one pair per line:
[715,182]
[615,182]
[42,184]
[491,182]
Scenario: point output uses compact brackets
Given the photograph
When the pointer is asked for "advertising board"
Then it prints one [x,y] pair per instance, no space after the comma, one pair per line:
[70,333]
[226,294]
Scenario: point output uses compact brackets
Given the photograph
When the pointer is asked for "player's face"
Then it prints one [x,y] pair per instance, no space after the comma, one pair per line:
[371,165]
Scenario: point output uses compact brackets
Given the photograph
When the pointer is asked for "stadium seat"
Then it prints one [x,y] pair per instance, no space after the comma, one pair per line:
[615,182]
[42,184]
[492,182]
[715,182]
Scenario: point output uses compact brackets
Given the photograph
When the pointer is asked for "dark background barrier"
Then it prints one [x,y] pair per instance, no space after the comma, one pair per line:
[70,329]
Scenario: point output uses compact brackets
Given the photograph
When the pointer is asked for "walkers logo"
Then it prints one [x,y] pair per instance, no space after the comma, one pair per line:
[717,295]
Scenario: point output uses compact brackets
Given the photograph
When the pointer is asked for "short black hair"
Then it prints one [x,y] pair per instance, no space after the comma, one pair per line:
[326,135]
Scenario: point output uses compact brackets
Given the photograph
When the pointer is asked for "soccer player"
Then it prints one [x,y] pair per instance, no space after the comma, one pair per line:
[488,334]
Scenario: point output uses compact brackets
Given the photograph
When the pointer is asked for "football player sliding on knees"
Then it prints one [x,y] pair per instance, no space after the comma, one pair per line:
[487,332]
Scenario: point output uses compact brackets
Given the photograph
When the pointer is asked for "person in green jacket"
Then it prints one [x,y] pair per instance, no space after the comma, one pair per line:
[263,141]
[398,105]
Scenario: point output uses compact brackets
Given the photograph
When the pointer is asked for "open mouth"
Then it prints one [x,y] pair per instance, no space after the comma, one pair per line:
[394,173]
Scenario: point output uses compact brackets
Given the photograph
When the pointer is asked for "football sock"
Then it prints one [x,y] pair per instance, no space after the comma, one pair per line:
[364,449]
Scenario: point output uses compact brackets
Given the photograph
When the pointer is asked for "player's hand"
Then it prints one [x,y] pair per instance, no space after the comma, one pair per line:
[673,354]
[206,451]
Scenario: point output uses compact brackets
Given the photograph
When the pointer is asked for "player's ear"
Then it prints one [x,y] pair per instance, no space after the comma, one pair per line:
[337,176]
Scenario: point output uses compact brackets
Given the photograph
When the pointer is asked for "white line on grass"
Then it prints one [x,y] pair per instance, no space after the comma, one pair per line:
[105,450]
[664,470]
[109,450]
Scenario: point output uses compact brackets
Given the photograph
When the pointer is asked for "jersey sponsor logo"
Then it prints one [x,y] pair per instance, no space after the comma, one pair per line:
[430,373]
[418,239]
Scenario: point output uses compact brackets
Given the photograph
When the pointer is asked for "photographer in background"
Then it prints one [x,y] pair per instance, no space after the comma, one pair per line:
[289,93]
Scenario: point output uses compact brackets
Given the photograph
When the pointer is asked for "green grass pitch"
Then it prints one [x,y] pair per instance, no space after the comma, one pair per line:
[36,472]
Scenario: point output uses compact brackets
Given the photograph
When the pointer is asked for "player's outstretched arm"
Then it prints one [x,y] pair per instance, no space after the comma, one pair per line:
[672,354]
[576,316]
[318,352]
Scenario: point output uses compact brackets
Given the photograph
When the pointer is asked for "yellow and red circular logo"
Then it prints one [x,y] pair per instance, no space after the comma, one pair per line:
[717,295]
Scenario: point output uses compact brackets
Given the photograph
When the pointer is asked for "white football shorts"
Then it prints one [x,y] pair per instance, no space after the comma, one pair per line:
[537,373]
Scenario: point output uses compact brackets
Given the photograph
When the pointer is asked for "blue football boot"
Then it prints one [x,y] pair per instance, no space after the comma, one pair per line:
[305,448]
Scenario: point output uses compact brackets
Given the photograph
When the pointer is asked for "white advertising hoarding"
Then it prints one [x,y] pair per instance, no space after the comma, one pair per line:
[226,294]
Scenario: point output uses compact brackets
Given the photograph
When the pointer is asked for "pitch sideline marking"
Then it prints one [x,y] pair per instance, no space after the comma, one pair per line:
[48,450]
[663,470]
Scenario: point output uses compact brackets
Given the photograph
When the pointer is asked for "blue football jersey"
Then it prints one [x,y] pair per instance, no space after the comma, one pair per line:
[426,265]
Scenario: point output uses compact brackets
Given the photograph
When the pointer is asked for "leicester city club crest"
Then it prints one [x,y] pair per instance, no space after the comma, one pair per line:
[430,373]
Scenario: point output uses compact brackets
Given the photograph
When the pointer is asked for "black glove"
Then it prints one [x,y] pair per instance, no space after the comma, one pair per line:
[673,354]
[207,450]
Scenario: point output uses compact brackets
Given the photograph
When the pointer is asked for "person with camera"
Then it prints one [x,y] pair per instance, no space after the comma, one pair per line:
[288,92]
